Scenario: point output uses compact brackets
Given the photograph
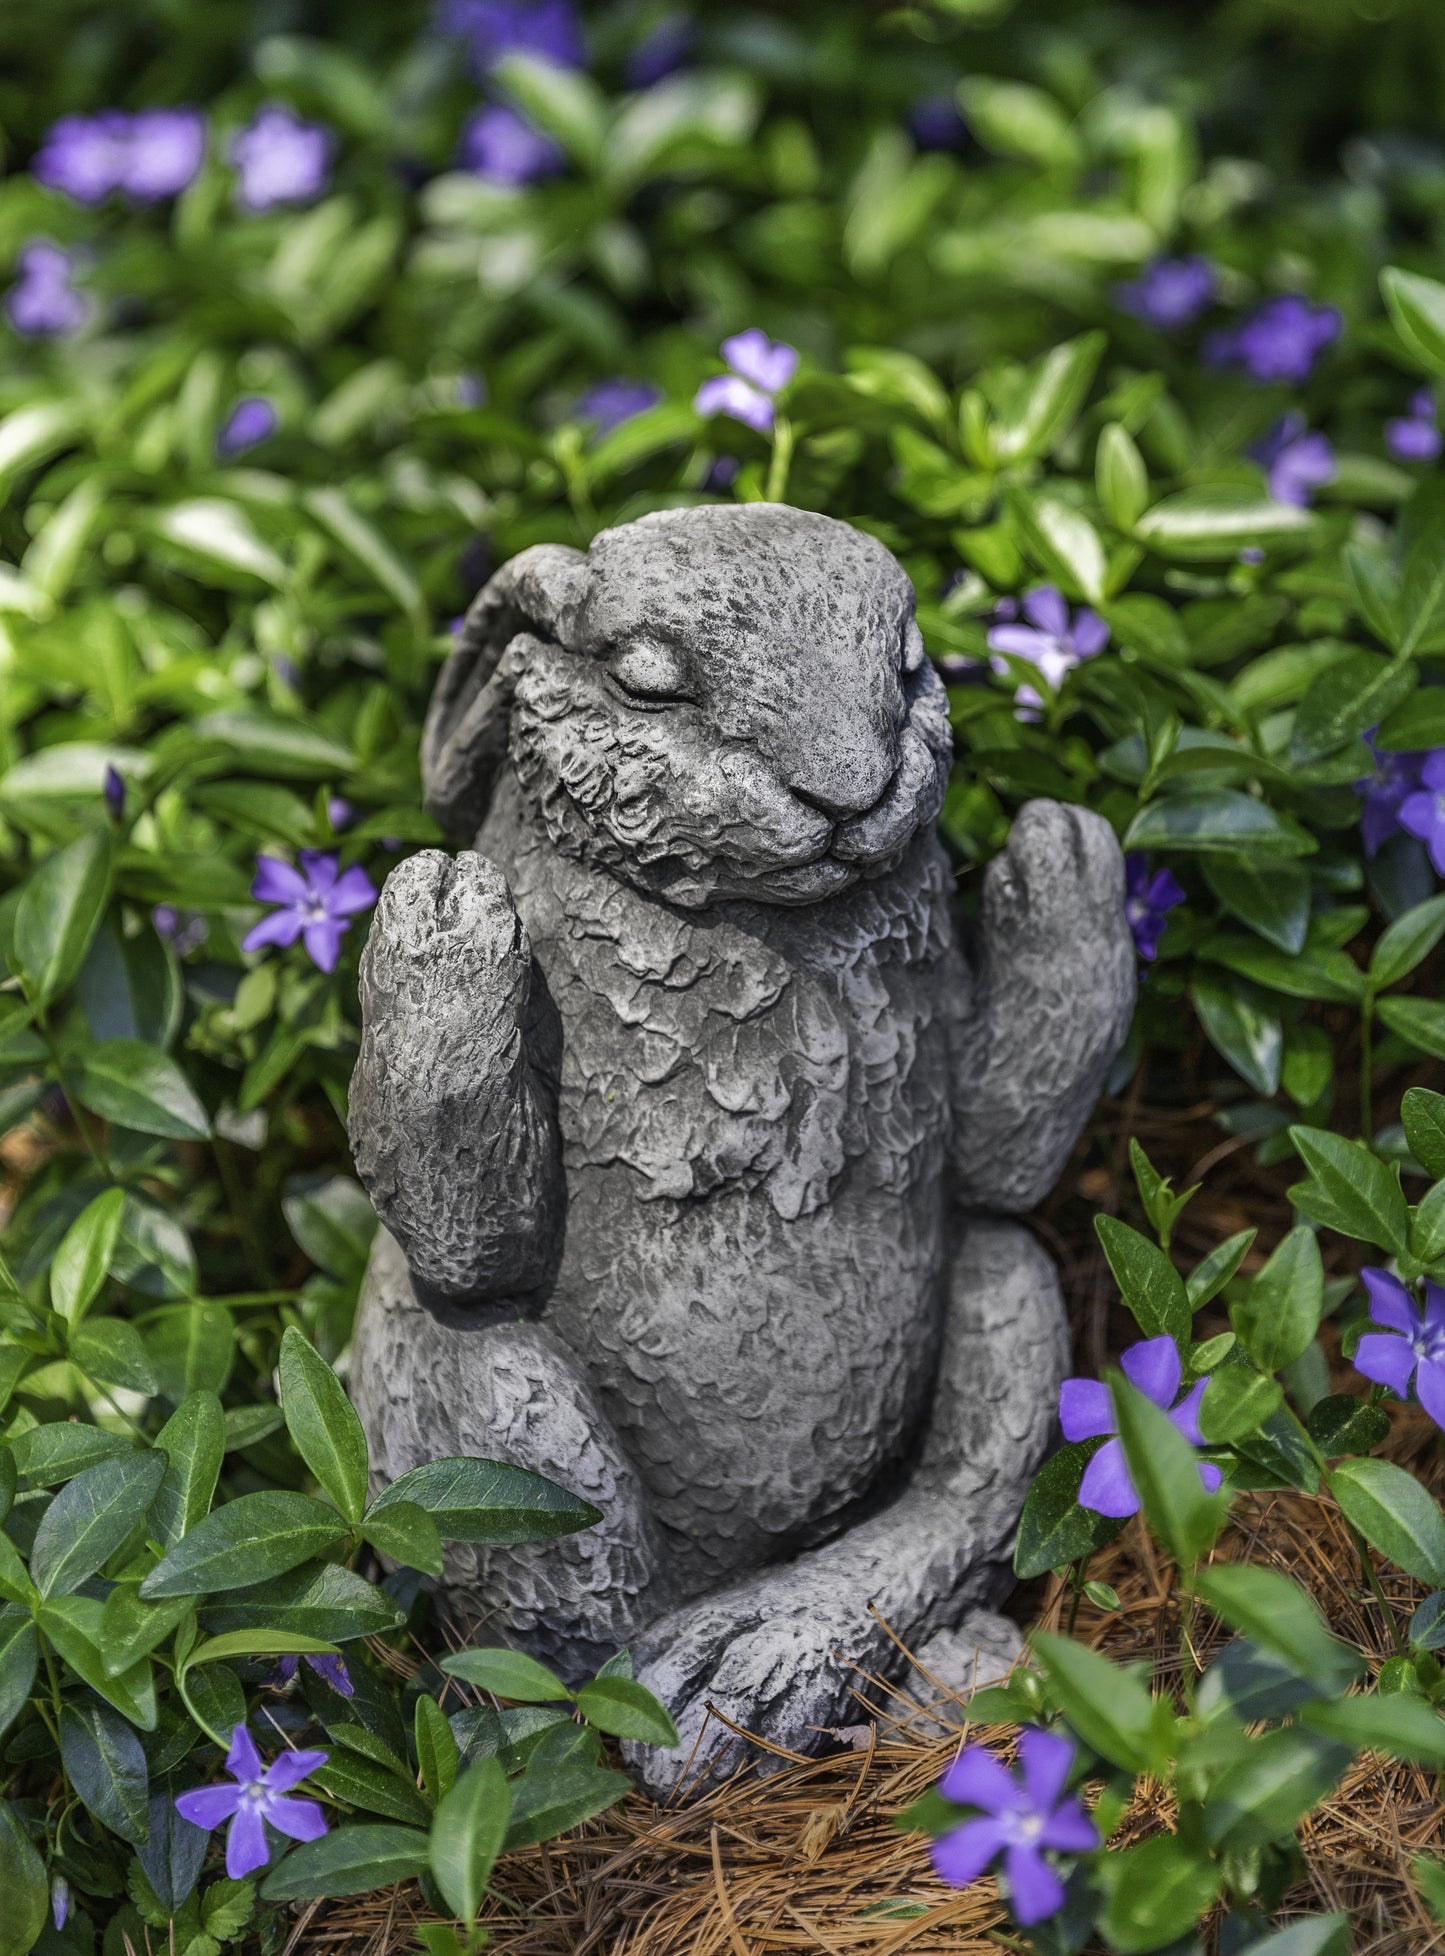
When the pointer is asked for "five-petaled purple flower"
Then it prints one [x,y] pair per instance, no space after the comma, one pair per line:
[1169,293]
[43,302]
[1422,811]
[1415,437]
[146,157]
[256,1799]
[1148,901]
[1019,1818]
[330,1668]
[280,159]
[1296,461]
[611,402]
[1051,640]
[1412,1345]
[761,369]
[1086,1410]
[317,904]
[502,146]
[253,419]
[1395,777]
[1280,341]
[492,29]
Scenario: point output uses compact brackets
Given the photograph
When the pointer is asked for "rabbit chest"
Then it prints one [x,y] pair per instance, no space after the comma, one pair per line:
[755,1112]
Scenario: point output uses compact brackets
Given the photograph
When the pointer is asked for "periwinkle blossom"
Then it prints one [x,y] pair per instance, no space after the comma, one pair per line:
[43,303]
[328,1667]
[113,793]
[146,157]
[1170,293]
[611,402]
[1052,640]
[1411,1345]
[1415,437]
[1395,777]
[1296,460]
[183,930]
[59,1901]
[258,1798]
[501,146]
[722,472]
[253,419]
[1422,812]
[317,902]
[339,812]
[661,52]
[1020,1819]
[551,30]
[164,151]
[1148,901]
[1086,1410]
[760,369]
[934,122]
[279,159]
[1281,340]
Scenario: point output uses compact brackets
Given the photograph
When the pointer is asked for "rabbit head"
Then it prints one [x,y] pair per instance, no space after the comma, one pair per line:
[720,702]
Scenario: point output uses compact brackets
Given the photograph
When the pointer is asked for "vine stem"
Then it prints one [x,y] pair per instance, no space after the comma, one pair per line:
[1077,1576]
[1186,1625]
[781,462]
[1367,1570]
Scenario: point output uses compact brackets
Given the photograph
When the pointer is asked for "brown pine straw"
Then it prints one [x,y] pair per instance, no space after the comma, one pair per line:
[806,1858]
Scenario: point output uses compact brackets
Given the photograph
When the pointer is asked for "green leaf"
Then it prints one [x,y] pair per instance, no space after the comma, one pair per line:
[361,1782]
[19,1655]
[1281,1617]
[1108,1707]
[22,1872]
[1395,1514]
[83,1259]
[194,1442]
[59,912]
[1278,1316]
[113,1352]
[1356,693]
[1423,1114]
[1273,898]
[351,1860]
[1420,1022]
[1148,1282]
[467,1835]
[567,104]
[1156,1891]
[1340,1424]
[1063,540]
[1422,594]
[1210,1275]
[1406,941]
[1236,1402]
[89,1519]
[324,1425]
[221,536]
[1218,820]
[367,547]
[1165,1470]
[1323,974]
[1350,1189]
[1267,1793]
[131,1629]
[215,1700]
[1121,476]
[1427,1228]
[73,1626]
[261,1642]
[132,1083]
[328,1601]
[49,1454]
[474,1500]
[192,1348]
[105,1764]
[627,1710]
[1052,393]
[1053,1528]
[1416,306]
[1248,1033]
[272,744]
[436,1748]
[407,1534]
[547,1803]
[1015,119]
[1375,590]
[1207,524]
[508,1674]
[249,1540]
[1400,1727]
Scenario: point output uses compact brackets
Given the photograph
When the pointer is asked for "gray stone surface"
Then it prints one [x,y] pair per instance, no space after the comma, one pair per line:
[695,1123]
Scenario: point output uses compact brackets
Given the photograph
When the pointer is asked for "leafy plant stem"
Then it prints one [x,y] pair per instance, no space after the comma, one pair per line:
[1186,1625]
[1077,1576]
[77,1112]
[251,1246]
[782,460]
[1368,1571]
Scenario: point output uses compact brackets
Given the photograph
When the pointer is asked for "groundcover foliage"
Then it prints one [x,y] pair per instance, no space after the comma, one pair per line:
[1124,333]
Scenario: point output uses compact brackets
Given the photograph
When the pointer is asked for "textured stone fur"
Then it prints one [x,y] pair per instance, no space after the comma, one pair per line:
[680,1099]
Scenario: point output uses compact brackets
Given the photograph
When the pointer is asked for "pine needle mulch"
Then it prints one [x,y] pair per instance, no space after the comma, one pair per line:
[806,1859]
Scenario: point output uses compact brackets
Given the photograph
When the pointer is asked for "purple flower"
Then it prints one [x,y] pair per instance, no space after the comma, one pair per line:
[330,1668]
[935,122]
[1148,901]
[1422,812]
[280,159]
[662,50]
[1412,1346]
[183,930]
[316,903]
[1415,437]
[1281,341]
[722,472]
[1395,777]
[471,391]
[84,156]
[256,1799]
[1085,1410]
[163,153]
[492,29]
[113,789]
[761,369]
[43,302]
[611,402]
[59,1901]
[1019,1818]
[1051,640]
[339,812]
[502,146]
[1295,461]
[253,419]
[1169,292]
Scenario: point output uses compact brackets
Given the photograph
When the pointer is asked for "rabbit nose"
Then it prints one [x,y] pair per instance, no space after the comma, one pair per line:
[845,789]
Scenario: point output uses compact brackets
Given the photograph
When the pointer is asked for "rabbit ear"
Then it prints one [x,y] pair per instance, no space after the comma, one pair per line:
[465,741]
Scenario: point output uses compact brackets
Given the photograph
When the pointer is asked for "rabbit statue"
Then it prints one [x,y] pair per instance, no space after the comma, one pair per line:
[696,1130]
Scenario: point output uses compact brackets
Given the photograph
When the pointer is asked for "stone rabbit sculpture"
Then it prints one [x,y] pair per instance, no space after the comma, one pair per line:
[695,1132]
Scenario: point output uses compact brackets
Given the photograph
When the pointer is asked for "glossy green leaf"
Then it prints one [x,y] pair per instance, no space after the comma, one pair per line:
[1350,1189]
[1395,1514]
[113,1352]
[1107,1706]
[89,1519]
[467,1835]
[1346,699]
[508,1674]
[1240,1026]
[486,1501]
[1423,1115]
[1406,941]
[22,1872]
[1148,1282]
[436,1748]
[407,1534]
[1053,1529]
[1416,306]
[627,1710]
[1236,1402]
[1222,821]
[1267,1793]
[194,1442]
[1210,1275]
[1281,1617]
[19,1656]
[1156,1892]
[1420,1022]
[550,1802]
[129,1082]
[351,1860]
[1208,524]
[249,1540]
[105,1764]
[60,909]
[84,1255]
[323,1424]
[1279,1314]
[324,1600]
